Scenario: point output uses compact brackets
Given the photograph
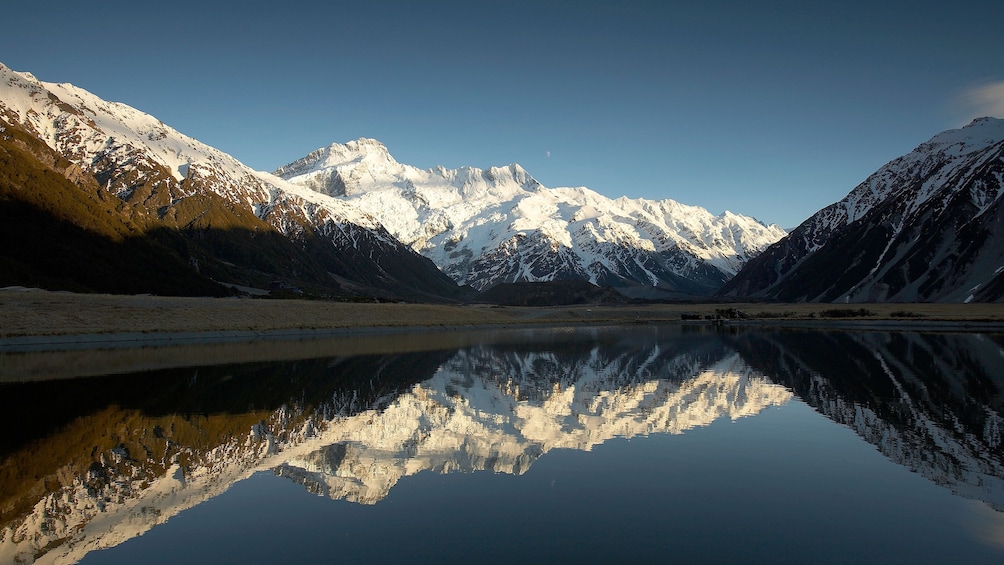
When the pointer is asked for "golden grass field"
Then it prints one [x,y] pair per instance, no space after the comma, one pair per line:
[56,335]
[43,313]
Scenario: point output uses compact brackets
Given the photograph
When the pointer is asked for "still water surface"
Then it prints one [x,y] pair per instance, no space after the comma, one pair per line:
[651,444]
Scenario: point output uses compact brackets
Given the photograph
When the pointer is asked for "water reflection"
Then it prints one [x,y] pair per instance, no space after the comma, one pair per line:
[90,463]
[930,402]
[497,410]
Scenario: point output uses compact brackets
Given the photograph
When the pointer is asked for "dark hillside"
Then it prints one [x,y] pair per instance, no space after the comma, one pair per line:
[62,230]
[59,235]
[552,293]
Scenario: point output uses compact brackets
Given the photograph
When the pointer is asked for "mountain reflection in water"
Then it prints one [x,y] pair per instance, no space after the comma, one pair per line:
[930,402]
[98,461]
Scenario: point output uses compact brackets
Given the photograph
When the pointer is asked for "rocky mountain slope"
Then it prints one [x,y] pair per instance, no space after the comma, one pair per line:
[483,227]
[193,205]
[928,226]
[335,222]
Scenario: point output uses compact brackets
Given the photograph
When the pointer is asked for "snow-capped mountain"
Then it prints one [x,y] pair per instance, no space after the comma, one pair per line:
[338,217]
[928,226]
[483,227]
[165,179]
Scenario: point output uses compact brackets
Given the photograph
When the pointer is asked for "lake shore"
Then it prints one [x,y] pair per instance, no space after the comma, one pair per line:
[51,335]
[40,314]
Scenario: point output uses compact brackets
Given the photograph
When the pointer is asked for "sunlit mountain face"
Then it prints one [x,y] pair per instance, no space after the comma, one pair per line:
[485,227]
[103,460]
[100,196]
[346,220]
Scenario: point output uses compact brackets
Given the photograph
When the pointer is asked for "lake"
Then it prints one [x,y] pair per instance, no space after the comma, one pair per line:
[678,443]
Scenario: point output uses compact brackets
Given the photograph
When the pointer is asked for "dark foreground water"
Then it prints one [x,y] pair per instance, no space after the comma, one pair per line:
[647,444]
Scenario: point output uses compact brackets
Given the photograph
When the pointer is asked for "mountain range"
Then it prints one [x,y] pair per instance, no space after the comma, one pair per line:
[98,196]
[500,225]
[128,204]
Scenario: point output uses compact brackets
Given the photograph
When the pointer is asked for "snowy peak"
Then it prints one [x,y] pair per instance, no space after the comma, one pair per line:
[366,165]
[511,174]
[975,136]
[361,149]
[77,123]
[943,151]
[361,152]
[481,227]
[488,226]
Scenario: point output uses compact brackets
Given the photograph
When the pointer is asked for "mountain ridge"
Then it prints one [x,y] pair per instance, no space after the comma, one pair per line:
[243,227]
[350,220]
[370,226]
[927,226]
[500,225]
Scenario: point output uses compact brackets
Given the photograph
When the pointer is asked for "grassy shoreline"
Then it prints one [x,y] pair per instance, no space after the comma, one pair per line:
[43,313]
[57,335]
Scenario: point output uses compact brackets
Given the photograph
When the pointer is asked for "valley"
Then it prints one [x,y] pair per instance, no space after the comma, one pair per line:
[97,196]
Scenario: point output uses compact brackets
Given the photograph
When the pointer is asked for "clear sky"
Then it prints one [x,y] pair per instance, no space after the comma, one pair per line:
[772,108]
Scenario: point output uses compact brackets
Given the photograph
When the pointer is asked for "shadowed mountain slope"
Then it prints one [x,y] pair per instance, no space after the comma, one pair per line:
[926,227]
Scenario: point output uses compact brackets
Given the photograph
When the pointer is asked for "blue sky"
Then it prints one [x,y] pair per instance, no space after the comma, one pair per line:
[771,109]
